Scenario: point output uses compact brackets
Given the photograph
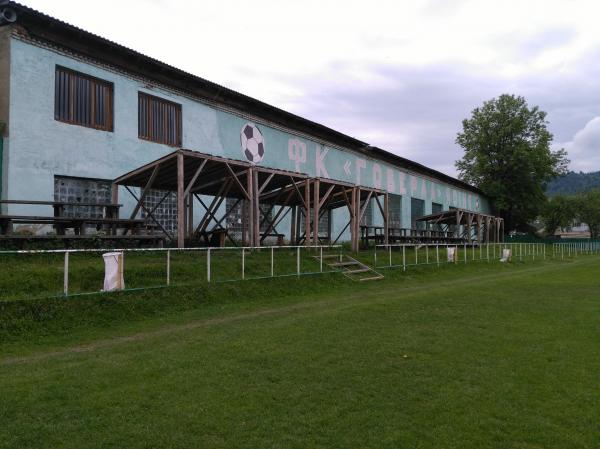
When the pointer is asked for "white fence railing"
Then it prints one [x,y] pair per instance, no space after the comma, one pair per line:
[43,273]
[412,254]
[568,249]
[83,269]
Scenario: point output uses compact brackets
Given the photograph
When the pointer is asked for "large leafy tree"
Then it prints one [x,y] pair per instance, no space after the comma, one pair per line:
[588,211]
[508,156]
[559,212]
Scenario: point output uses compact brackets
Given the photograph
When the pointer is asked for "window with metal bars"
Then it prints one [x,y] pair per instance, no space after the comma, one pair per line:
[159,120]
[395,207]
[83,100]
[417,209]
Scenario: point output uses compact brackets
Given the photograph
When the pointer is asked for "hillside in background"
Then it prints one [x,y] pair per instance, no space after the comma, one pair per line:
[573,183]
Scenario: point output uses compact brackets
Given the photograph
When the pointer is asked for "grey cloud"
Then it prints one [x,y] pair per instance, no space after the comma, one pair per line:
[584,149]
[416,112]
[547,39]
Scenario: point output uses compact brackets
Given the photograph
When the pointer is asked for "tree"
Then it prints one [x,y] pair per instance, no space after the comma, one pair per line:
[559,212]
[588,211]
[508,156]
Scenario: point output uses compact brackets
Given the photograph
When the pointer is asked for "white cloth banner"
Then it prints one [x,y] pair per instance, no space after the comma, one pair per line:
[451,254]
[506,255]
[113,272]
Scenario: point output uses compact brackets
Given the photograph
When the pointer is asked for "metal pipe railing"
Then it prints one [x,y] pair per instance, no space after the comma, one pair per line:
[68,261]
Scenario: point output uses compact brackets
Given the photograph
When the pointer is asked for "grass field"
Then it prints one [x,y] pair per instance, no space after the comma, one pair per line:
[464,356]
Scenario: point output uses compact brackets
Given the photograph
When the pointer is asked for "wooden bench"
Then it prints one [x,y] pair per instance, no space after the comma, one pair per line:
[110,210]
[278,236]
[77,223]
[24,241]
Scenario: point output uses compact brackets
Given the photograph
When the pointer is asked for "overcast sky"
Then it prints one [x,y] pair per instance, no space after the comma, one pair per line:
[400,75]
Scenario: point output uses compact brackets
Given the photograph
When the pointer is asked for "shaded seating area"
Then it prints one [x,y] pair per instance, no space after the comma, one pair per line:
[267,197]
[196,176]
[455,226]
[376,234]
[467,226]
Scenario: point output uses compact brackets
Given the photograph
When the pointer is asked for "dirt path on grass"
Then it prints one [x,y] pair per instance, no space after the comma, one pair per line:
[350,300]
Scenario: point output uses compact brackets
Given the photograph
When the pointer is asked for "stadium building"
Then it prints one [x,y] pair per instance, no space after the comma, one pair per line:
[86,121]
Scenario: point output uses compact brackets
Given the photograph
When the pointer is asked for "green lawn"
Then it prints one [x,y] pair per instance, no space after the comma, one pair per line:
[481,355]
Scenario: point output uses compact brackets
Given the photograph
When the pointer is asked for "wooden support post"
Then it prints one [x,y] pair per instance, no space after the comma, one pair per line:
[144,192]
[114,198]
[250,215]
[316,210]
[180,202]
[190,216]
[329,225]
[256,198]
[356,218]
[386,219]
[293,225]
[307,212]
[468,229]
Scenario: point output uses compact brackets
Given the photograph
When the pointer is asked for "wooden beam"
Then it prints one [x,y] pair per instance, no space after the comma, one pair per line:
[250,216]
[198,189]
[121,180]
[326,196]
[268,180]
[341,232]
[349,201]
[150,213]
[316,210]
[194,178]
[273,223]
[180,202]
[304,200]
[307,211]
[114,195]
[214,205]
[355,218]
[145,191]
[256,197]
[364,208]
[238,182]
[293,224]
[190,215]
[386,219]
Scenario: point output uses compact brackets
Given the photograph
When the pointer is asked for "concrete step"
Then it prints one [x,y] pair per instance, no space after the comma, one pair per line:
[360,270]
[372,278]
[343,264]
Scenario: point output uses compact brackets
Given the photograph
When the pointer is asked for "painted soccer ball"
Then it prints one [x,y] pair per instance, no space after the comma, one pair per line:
[253,143]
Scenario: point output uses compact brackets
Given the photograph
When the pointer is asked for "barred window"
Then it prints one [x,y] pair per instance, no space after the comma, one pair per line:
[164,205]
[82,190]
[83,100]
[395,212]
[159,120]
[417,210]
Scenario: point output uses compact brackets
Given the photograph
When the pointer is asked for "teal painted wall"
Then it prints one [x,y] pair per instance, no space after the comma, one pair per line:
[41,147]
[1,158]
